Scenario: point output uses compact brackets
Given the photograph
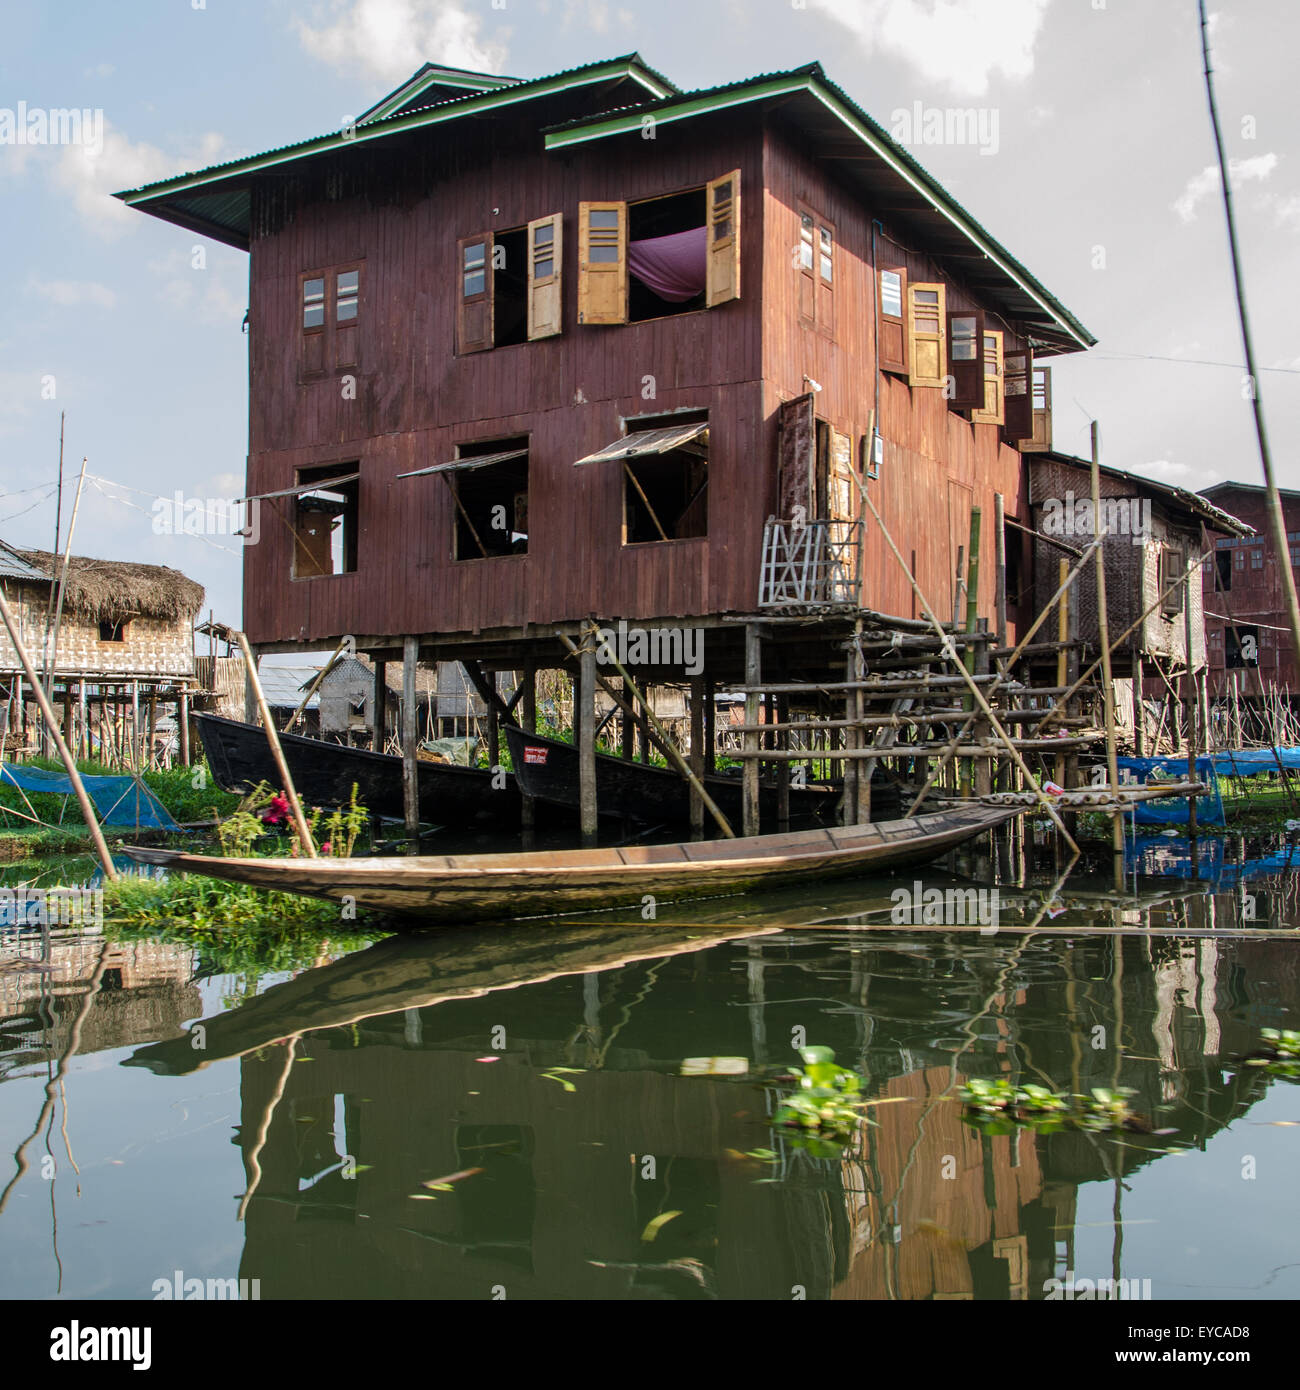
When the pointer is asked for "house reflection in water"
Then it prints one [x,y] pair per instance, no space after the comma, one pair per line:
[554,1192]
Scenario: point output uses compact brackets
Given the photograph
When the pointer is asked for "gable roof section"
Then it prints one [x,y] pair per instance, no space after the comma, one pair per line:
[431,84]
[893,182]
[216,201]
[1253,489]
[1190,503]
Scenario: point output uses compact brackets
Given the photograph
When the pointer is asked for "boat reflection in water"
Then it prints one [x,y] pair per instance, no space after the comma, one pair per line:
[445,1059]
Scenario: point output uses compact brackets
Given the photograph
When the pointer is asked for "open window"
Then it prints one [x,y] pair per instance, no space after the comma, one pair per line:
[1223,567]
[325,521]
[892,299]
[966,357]
[659,256]
[926,334]
[1040,398]
[489,489]
[665,463]
[114,630]
[509,290]
[991,412]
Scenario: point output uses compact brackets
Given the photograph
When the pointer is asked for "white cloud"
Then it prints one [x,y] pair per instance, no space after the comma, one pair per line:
[960,44]
[100,70]
[207,295]
[72,293]
[389,39]
[1286,212]
[1258,168]
[1165,470]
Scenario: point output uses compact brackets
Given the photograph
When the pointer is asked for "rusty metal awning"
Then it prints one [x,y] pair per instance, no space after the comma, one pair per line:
[462,465]
[323,486]
[642,442]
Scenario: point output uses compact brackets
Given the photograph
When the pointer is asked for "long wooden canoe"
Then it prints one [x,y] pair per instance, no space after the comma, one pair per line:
[324,774]
[547,770]
[479,887]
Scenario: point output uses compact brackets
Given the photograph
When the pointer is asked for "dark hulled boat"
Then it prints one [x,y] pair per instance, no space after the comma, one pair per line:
[324,774]
[547,769]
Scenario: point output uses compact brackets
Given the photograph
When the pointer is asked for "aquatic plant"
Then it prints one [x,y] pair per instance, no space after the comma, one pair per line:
[1278,1054]
[825,1105]
[1001,1106]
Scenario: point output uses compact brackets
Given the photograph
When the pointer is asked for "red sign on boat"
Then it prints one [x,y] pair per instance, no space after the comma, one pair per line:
[535,755]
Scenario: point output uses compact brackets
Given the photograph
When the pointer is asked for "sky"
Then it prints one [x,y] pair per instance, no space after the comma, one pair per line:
[1094,167]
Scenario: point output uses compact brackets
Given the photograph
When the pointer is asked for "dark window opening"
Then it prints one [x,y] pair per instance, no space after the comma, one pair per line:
[1223,566]
[1241,647]
[675,271]
[114,631]
[666,496]
[325,524]
[491,502]
[1013,548]
[510,287]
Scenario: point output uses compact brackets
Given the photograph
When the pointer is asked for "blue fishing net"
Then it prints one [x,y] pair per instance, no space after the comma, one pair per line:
[121,801]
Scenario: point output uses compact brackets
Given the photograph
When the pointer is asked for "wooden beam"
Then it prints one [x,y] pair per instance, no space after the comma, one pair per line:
[410,764]
[585,736]
[753,677]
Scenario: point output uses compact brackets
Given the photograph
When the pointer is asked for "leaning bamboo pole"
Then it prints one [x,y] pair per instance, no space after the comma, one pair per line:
[52,723]
[1103,636]
[671,753]
[272,738]
[971,681]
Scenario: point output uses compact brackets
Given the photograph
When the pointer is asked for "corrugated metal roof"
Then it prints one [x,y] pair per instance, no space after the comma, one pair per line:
[1192,502]
[283,684]
[13,566]
[224,214]
[466,465]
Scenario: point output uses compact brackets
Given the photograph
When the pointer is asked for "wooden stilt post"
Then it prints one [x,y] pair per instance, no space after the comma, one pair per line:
[52,723]
[753,677]
[643,726]
[135,726]
[379,708]
[183,724]
[710,724]
[528,812]
[783,766]
[1000,561]
[697,755]
[585,730]
[627,728]
[410,764]
[853,770]
[273,739]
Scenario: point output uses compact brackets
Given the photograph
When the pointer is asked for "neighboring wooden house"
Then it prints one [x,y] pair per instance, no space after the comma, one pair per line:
[525,353]
[125,633]
[1153,532]
[1246,618]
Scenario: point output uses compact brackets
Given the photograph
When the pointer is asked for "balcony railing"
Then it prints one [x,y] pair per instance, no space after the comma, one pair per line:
[813,564]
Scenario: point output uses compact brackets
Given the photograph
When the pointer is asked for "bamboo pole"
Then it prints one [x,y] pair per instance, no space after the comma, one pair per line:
[315,685]
[410,766]
[1107,683]
[51,720]
[273,739]
[971,681]
[63,583]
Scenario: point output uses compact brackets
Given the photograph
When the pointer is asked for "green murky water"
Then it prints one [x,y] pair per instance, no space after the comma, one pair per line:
[502,1113]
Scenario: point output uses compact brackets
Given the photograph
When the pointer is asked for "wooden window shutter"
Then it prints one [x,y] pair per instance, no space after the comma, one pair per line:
[805,265]
[796,480]
[602,262]
[545,257]
[1019,422]
[723,272]
[843,493]
[1040,401]
[966,339]
[892,292]
[926,334]
[474,293]
[992,412]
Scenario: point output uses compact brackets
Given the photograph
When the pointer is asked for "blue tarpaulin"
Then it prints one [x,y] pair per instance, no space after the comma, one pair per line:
[1232,762]
[122,801]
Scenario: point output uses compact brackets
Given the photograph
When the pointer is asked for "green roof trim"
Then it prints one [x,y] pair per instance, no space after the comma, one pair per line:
[812,80]
[430,75]
[475,103]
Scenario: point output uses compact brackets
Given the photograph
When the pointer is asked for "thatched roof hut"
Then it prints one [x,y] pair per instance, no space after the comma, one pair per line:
[114,590]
